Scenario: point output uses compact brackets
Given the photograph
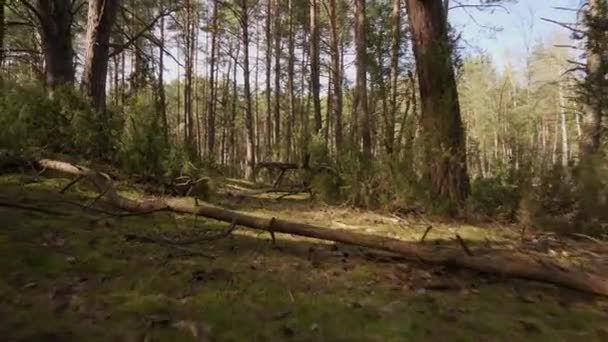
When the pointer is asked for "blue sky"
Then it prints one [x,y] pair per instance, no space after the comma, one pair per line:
[520,26]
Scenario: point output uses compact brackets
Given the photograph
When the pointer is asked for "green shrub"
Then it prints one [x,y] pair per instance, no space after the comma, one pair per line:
[496,198]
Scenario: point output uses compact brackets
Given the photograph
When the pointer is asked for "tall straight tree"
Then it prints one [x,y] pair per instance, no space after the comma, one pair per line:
[290,83]
[243,18]
[101,17]
[277,77]
[395,49]
[596,82]
[336,74]
[212,93]
[2,25]
[315,61]
[269,132]
[442,130]
[362,109]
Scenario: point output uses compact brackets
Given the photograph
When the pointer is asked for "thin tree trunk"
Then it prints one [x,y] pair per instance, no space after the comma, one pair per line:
[2,25]
[565,146]
[315,64]
[290,84]
[362,109]
[445,149]
[213,92]
[336,69]
[395,53]
[269,131]
[162,101]
[249,130]
[277,78]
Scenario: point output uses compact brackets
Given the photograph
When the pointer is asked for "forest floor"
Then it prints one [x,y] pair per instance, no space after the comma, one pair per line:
[83,277]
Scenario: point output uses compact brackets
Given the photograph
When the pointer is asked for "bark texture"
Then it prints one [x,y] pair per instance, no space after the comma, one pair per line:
[101,17]
[442,130]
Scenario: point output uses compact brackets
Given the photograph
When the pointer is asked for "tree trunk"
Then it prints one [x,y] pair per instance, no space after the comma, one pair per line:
[269,131]
[290,83]
[596,82]
[189,138]
[565,147]
[396,44]
[315,64]
[249,129]
[277,78]
[2,25]
[443,135]
[362,109]
[162,102]
[503,263]
[101,16]
[336,69]
[55,30]
[212,93]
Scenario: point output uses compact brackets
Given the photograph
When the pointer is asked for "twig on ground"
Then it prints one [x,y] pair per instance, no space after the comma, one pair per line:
[426,232]
[464,245]
[70,184]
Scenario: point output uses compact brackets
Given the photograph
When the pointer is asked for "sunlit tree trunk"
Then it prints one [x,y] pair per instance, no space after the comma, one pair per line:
[565,146]
[443,135]
[249,129]
[277,78]
[395,49]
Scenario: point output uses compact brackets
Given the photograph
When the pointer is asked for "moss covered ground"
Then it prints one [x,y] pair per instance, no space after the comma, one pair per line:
[80,277]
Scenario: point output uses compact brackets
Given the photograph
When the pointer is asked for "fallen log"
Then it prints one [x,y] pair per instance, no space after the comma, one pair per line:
[502,263]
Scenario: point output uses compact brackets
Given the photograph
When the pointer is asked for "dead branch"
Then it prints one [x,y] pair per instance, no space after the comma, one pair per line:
[464,245]
[503,263]
[70,184]
[426,232]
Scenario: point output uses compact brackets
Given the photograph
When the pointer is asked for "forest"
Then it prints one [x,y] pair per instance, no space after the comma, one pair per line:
[307,170]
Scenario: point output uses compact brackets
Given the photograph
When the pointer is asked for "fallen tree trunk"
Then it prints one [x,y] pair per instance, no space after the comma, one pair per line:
[507,264]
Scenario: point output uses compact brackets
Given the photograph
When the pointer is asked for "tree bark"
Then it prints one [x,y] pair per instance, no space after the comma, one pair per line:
[101,17]
[162,102]
[277,78]
[249,129]
[565,146]
[315,61]
[336,69]
[213,92]
[595,83]
[443,135]
[269,131]
[2,25]
[362,109]
[395,53]
[502,263]
[55,28]
[290,83]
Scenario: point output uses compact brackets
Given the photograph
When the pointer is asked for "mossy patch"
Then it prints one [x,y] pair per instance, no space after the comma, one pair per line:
[79,278]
